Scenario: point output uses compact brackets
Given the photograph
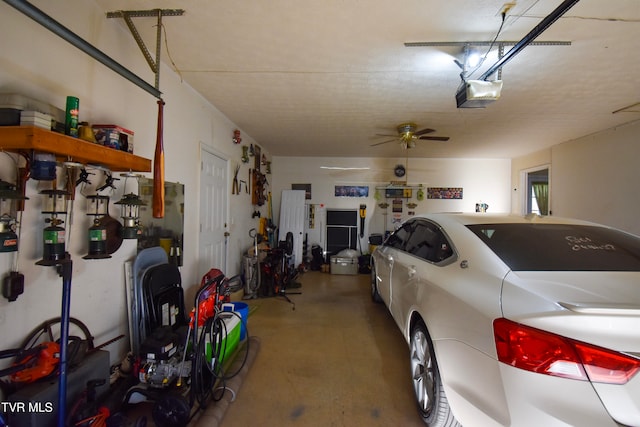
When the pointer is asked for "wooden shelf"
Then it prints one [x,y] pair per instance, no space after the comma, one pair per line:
[26,138]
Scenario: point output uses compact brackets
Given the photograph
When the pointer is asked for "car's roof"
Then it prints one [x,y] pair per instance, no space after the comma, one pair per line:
[497,218]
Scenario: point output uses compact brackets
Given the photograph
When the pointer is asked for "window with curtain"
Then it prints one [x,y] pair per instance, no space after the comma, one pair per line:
[541,193]
[537,193]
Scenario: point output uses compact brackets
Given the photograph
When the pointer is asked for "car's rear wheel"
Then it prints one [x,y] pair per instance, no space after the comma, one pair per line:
[375,295]
[432,401]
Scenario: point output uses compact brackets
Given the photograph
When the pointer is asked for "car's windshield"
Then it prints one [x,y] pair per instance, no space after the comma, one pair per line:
[561,247]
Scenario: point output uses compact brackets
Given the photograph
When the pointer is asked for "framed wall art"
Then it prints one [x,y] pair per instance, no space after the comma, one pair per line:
[444,193]
[351,191]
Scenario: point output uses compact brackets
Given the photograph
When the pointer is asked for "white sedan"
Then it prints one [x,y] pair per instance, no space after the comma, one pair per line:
[516,321]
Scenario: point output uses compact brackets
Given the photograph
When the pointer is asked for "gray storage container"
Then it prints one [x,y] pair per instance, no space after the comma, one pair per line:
[344,265]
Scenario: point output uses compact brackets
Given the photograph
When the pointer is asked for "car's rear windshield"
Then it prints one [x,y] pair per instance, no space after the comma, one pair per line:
[561,247]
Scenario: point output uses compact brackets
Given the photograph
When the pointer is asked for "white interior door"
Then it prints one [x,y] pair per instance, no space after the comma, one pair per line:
[292,210]
[213,213]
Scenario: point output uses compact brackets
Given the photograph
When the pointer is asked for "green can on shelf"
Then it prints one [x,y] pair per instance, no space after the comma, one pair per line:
[71,117]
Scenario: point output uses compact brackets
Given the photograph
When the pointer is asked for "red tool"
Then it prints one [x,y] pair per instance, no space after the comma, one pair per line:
[211,299]
[36,365]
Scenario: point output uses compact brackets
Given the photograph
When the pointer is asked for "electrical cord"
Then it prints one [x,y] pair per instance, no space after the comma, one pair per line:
[206,373]
[202,384]
[221,375]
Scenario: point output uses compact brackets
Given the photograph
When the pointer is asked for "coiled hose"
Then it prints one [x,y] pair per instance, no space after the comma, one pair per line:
[207,372]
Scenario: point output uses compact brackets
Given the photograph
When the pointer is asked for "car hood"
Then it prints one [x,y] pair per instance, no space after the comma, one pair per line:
[602,308]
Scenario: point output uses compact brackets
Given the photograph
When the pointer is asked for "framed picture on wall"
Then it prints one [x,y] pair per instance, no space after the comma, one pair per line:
[351,191]
[444,193]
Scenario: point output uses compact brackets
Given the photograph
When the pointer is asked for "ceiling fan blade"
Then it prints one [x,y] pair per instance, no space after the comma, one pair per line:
[435,138]
[383,142]
[424,131]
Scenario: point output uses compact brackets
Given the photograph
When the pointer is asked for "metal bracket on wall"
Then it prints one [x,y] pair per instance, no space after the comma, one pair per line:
[127,15]
[60,30]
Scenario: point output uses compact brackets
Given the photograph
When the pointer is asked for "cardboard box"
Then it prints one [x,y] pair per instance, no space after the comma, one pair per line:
[343,265]
[114,136]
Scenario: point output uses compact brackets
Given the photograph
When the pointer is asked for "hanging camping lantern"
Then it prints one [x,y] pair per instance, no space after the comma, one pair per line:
[54,204]
[98,207]
[130,209]
[8,217]
[130,214]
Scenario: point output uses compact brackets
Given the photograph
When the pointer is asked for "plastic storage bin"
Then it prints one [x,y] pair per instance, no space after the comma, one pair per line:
[230,339]
[344,265]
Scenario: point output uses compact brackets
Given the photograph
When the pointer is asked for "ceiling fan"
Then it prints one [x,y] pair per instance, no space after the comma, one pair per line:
[407,135]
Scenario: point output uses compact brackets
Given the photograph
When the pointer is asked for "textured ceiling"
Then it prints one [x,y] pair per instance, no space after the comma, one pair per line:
[324,78]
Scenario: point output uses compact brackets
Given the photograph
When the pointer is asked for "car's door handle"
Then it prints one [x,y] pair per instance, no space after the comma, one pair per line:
[411,271]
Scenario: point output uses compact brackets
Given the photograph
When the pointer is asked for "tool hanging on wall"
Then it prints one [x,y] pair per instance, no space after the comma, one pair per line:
[258,188]
[21,182]
[9,197]
[234,188]
[13,284]
[245,154]
[72,170]
[108,182]
[11,201]
[84,177]
[363,215]
[271,227]
[158,167]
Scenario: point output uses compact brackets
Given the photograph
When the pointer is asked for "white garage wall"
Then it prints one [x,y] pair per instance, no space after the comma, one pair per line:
[593,178]
[596,178]
[482,180]
[36,63]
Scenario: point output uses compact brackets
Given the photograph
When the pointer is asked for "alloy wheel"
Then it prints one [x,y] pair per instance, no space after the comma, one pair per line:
[423,373]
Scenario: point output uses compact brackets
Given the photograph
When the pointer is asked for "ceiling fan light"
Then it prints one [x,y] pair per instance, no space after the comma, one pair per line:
[407,128]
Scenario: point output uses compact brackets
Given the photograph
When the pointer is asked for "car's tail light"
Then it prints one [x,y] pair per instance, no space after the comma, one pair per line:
[546,353]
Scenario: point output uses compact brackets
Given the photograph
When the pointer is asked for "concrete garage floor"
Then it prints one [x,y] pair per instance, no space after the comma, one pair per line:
[338,359]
